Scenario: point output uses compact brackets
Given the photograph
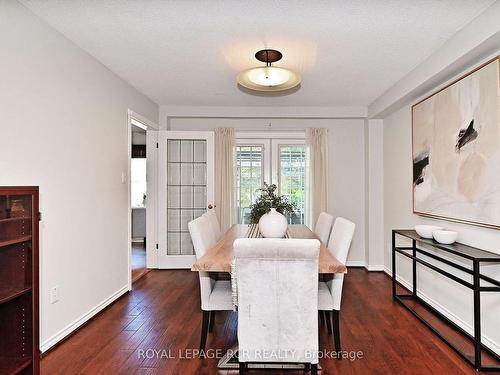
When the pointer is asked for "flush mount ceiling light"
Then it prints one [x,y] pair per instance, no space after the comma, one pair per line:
[268,78]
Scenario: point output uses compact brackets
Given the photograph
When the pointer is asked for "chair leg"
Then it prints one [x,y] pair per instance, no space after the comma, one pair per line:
[314,369]
[336,326]
[243,367]
[329,321]
[322,317]
[204,329]
[212,320]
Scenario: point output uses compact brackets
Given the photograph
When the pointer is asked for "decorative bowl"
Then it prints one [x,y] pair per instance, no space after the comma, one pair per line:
[425,231]
[445,237]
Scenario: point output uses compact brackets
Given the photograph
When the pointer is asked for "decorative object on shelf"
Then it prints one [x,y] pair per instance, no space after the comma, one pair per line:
[268,78]
[445,237]
[267,200]
[456,150]
[17,208]
[425,231]
[273,224]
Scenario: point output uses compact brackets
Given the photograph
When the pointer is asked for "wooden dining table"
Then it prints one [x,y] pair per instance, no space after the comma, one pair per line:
[219,257]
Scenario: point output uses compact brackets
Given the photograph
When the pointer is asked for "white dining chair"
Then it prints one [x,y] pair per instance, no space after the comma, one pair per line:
[323,226]
[277,284]
[214,223]
[216,295]
[330,291]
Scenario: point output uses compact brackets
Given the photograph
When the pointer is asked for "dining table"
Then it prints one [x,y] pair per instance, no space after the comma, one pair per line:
[219,257]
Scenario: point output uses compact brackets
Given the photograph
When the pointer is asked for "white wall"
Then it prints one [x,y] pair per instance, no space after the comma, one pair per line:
[375,195]
[347,162]
[64,127]
[475,43]
[449,297]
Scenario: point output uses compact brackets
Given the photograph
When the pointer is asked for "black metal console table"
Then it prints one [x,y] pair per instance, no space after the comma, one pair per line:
[480,283]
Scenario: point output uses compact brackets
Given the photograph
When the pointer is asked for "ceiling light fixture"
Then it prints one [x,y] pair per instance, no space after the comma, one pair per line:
[268,78]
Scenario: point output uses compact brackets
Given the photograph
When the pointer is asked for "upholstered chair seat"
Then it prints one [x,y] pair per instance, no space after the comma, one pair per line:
[325,299]
[216,295]
[221,296]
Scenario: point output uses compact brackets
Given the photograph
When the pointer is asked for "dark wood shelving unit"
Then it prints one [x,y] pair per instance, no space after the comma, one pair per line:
[469,346]
[19,327]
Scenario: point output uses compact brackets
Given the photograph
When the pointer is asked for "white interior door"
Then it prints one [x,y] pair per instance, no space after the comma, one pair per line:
[185,190]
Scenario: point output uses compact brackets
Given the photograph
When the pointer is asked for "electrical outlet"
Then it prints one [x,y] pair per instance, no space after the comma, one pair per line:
[54,294]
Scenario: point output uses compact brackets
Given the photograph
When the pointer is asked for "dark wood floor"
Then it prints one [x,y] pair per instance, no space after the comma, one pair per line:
[162,312]
[138,261]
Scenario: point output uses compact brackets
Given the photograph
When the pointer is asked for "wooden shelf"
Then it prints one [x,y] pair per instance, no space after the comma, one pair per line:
[14,219]
[15,240]
[9,295]
[12,366]
[19,294]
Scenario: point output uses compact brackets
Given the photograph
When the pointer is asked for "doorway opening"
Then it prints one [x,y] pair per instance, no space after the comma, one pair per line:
[138,199]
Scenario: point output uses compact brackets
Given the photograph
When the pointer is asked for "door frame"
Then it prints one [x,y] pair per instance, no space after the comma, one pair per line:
[133,117]
[178,261]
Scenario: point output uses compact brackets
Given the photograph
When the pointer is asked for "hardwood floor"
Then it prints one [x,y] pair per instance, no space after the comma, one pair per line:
[138,262]
[162,313]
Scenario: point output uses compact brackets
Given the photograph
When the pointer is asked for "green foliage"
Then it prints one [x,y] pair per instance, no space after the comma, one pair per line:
[267,200]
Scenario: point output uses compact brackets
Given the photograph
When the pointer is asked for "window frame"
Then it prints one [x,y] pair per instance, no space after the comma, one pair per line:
[271,141]
[276,143]
[266,155]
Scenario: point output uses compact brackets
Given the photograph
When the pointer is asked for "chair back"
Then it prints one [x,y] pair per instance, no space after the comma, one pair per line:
[323,227]
[214,223]
[277,299]
[341,238]
[339,245]
[203,238]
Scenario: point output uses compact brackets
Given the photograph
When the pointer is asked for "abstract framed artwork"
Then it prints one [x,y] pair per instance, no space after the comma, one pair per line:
[456,150]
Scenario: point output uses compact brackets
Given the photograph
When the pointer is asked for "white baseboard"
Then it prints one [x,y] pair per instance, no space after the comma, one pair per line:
[447,313]
[355,263]
[51,341]
[375,267]
[361,263]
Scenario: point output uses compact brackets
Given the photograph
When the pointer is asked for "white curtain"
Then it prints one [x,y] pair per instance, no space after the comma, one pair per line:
[224,172]
[317,142]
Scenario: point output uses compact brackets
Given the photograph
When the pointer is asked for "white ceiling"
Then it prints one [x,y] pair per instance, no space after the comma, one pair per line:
[189,52]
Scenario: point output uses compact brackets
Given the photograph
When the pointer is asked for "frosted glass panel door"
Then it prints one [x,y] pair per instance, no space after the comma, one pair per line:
[186,189]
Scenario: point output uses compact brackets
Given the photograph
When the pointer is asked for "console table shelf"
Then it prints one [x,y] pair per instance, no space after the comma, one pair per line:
[471,349]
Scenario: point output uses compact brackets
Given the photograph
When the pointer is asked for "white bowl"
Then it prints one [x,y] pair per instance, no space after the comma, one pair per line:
[445,237]
[425,231]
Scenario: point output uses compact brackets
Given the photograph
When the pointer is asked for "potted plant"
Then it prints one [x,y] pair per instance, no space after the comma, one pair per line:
[269,210]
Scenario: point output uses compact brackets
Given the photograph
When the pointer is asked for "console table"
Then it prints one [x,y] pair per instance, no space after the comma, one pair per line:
[480,283]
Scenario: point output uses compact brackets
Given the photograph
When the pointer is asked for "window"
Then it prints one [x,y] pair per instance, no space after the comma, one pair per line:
[249,178]
[292,178]
[138,182]
[282,161]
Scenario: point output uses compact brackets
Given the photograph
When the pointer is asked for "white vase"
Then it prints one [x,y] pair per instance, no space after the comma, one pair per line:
[273,224]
